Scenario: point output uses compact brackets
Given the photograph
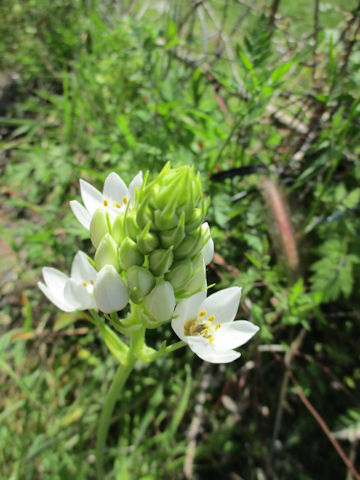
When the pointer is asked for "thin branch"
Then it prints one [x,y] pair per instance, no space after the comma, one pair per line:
[273,10]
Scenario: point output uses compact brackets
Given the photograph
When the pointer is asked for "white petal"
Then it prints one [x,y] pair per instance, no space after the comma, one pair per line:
[54,279]
[56,298]
[135,184]
[223,304]
[234,334]
[81,213]
[114,188]
[208,251]
[92,198]
[185,310]
[81,269]
[110,290]
[208,354]
[76,294]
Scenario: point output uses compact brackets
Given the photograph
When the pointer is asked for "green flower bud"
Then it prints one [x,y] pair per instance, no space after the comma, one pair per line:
[175,236]
[160,261]
[140,283]
[130,225]
[98,226]
[198,281]
[195,220]
[106,253]
[117,231]
[190,246]
[129,254]
[166,219]
[160,302]
[146,241]
[144,216]
[180,274]
[173,195]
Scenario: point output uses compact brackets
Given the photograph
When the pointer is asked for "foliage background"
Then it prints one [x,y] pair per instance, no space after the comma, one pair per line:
[262,98]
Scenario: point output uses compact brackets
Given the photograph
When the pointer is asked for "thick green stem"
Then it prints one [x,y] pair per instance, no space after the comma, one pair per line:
[137,339]
[113,394]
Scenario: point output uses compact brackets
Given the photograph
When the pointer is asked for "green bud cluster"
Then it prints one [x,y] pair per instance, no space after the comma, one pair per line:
[156,244]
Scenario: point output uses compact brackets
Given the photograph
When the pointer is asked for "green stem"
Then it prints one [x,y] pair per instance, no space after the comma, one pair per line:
[113,394]
[137,339]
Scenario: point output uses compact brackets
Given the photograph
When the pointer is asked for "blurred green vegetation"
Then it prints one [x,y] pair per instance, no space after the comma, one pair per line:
[265,105]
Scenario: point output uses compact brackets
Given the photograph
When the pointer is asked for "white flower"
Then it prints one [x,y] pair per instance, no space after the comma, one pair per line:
[110,290]
[115,197]
[74,292]
[207,326]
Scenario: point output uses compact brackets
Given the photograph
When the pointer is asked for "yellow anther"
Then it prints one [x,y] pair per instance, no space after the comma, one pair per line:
[106,203]
[202,313]
[85,284]
[116,204]
[124,200]
[92,282]
[211,339]
[217,326]
[211,318]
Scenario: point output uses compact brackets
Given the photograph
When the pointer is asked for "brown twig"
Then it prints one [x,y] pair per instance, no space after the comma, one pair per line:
[273,10]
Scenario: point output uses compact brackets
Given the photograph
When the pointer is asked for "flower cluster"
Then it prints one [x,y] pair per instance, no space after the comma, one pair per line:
[152,247]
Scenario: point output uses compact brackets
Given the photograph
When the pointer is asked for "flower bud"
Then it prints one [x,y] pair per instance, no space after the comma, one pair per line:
[131,227]
[173,194]
[160,302]
[140,283]
[195,220]
[117,231]
[180,274]
[166,219]
[110,290]
[208,249]
[146,241]
[106,253]
[198,281]
[129,254]
[160,261]
[174,236]
[98,226]
[190,246]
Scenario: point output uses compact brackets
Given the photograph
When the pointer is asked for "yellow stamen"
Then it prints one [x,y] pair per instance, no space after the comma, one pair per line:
[85,284]
[125,200]
[116,204]
[92,282]
[217,326]
[106,203]
[211,318]
[211,339]
[202,313]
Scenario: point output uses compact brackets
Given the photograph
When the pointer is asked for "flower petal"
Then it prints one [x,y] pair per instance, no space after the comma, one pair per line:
[92,198]
[234,334]
[54,279]
[207,353]
[135,184]
[223,304]
[115,188]
[81,213]
[110,290]
[56,298]
[78,295]
[185,310]
[81,269]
